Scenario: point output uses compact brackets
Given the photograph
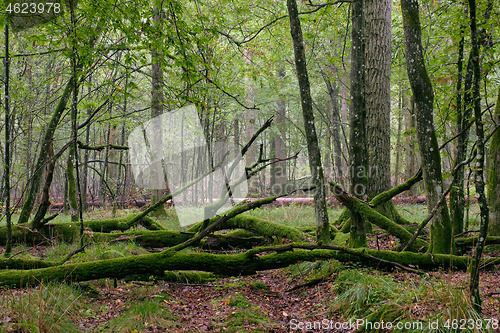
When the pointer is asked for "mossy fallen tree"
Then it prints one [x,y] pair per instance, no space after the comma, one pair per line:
[471,241]
[176,276]
[6,263]
[380,199]
[68,232]
[368,212]
[257,225]
[245,263]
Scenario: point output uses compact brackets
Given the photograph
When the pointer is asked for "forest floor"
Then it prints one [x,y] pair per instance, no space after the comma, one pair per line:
[324,296]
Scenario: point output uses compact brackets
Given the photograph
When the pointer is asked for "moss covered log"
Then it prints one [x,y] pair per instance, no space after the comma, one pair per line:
[224,264]
[344,218]
[471,241]
[389,194]
[145,238]
[176,276]
[256,225]
[68,232]
[15,263]
[122,224]
[358,206]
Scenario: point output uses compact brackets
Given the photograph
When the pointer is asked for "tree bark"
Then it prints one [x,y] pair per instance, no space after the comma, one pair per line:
[157,176]
[377,22]
[322,225]
[479,169]
[441,231]
[377,88]
[358,153]
[457,196]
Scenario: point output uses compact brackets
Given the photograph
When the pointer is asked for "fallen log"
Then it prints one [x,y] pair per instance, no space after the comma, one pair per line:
[68,232]
[471,241]
[358,206]
[257,225]
[245,263]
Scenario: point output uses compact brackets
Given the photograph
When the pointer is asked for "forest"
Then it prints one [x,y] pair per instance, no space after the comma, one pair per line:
[250,166]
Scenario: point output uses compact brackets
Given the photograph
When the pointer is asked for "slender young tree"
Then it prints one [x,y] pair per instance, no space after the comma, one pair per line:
[157,176]
[322,225]
[441,231]
[278,170]
[251,155]
[8,214]
[457,196]
[479,170]
[494,175]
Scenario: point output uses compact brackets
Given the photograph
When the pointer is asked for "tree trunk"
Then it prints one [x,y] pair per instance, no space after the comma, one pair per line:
[322,225]
[278,170]
[71,181]
[457,197]
[157,176]
[377,20]
[399,148]
[479,169]
[412,155]
[441,231]
[7,161]
[358,153]
[494,175]
[86,158]
[251,155]
[377,88]
[34,184]
[334,129]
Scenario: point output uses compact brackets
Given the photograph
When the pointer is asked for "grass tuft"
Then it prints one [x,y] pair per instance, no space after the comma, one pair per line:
[142,315]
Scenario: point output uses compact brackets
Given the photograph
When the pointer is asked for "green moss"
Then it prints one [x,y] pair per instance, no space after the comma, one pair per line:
[256,225]
[222,264]
[143,315]
[259,285]
[239,301]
